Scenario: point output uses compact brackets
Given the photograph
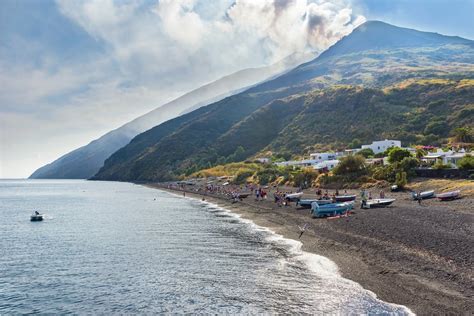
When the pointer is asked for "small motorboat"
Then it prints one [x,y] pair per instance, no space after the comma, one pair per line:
[292,197]
[345,198]
[448,196]
[329,210]
[307,203]
[377,203]
[36,217]
[423,195]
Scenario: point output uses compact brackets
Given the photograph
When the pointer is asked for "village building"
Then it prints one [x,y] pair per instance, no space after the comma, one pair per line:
[449,157]
[382,145]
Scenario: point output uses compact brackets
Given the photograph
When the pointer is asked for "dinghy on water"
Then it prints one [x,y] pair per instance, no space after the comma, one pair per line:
[423,195]
[448,196]
[37,217]
[377,203]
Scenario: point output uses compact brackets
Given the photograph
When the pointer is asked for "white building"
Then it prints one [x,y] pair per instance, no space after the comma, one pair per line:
[315,159]
[326,165]
[382,145]
[446,157]
[318,157]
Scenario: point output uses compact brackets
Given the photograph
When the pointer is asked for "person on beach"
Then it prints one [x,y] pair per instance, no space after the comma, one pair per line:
[382,194]
[418,197]
[184,194]
[337,192]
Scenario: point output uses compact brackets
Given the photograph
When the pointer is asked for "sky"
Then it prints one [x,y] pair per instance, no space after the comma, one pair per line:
[71,70]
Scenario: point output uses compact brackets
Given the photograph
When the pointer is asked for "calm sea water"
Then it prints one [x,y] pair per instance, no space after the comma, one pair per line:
[108,247]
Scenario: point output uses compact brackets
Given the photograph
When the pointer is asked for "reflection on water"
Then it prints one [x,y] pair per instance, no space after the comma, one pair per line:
[108,247]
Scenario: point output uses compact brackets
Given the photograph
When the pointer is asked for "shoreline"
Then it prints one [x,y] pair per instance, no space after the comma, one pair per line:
[395,270]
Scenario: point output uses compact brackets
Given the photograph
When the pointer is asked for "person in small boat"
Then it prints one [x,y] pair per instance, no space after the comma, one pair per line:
[37,213]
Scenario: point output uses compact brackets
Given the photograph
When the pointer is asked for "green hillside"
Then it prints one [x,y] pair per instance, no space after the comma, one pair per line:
[416,94]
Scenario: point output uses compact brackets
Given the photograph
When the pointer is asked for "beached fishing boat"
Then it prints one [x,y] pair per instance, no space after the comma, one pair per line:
[243,195]
[377,203]
[292,197]
[345,198]
[423,195]
[328,210]
[448,196]
[36,217]
[307,203]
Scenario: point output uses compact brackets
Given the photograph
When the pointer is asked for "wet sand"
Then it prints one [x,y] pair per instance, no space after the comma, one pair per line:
[420,256]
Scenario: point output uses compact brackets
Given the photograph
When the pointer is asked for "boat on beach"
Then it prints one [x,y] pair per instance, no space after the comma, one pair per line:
[329,210]
[345,198]
[243,195]
[307,203]
[448,196]
[377,203]
[292,197]
[423,195]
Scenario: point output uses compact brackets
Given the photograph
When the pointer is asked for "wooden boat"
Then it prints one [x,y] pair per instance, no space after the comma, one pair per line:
[36,217]
[424,195]
[307,203]
[329,210]
[448,196]
[243,195]
[345,198]
[377,203]
[293,196]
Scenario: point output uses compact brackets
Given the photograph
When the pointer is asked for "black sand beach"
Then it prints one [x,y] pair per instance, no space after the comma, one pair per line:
[420,256]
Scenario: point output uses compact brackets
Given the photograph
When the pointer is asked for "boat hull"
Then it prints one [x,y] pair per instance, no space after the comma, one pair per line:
[378,203]
[36,218]
[423,195]
[330,210]
[307,203]
[345,198]
[448,196]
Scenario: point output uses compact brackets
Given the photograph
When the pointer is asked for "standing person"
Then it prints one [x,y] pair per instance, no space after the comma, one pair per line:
[382,194]
[302,229]
[418,195]
[337,192]
[370,195]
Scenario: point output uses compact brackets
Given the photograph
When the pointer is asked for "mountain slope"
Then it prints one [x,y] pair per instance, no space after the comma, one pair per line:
[84,162]
[242,125]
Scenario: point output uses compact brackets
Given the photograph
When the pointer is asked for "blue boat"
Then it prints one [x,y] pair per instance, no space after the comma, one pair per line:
[307,203]
[328,210]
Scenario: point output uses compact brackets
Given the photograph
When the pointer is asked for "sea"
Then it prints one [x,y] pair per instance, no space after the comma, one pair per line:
[121,248]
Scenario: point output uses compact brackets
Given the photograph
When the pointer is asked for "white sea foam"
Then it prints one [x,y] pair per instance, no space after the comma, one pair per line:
[321,266]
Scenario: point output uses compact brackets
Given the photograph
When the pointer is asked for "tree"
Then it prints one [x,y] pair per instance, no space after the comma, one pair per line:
[463,135]
[305,177]
[366,152]
[350,164]
[420,153]
[466,163]
[396,154]
[401,179]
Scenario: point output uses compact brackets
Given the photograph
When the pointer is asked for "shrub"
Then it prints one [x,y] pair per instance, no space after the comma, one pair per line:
[401,179]
[466,163]
[350,165]
[440,165]
[305,177]
[366,152]
[242,177]
[396,154]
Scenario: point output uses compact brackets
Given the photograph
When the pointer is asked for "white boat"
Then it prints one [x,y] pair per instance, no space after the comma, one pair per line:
[293,196]
[447,196]
[423,195]
[377,203]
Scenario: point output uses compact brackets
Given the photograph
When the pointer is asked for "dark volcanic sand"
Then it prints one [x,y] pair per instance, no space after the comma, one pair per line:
[420,256]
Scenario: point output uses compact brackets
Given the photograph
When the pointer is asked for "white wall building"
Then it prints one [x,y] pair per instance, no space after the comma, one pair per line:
[326,165]
[446,157]
[318,157]
[382,145]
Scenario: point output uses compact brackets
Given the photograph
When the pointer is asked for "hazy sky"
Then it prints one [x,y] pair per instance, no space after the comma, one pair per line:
[72,70]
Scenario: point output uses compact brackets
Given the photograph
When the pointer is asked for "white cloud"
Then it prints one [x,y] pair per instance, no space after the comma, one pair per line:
[152,52]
